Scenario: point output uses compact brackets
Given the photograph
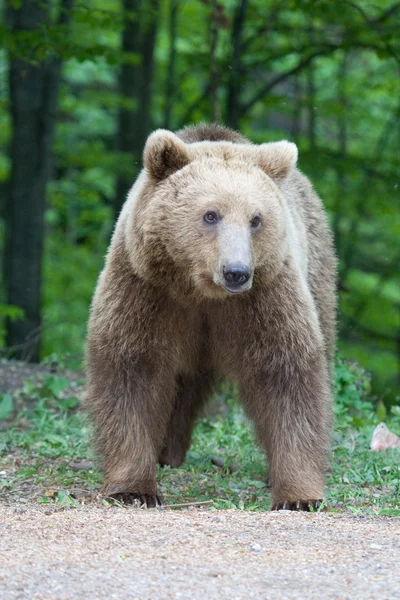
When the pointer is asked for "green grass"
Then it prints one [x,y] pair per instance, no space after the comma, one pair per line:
[45,454]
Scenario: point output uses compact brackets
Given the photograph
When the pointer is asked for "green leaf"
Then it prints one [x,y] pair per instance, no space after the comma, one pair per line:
[69,402]
[258,484]
[11,312]
[63,497]
[6,406]
[390,512]
[4,484]
[55,440]
[381,412]
[45,500]
[57,384]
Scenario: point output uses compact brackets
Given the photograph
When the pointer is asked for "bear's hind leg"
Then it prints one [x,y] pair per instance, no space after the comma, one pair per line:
[192,394]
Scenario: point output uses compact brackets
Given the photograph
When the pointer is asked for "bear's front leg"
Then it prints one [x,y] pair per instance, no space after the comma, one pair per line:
[291,410]
[130,405]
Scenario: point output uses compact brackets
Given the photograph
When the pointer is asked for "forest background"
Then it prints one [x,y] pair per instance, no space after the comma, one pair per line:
[83,83]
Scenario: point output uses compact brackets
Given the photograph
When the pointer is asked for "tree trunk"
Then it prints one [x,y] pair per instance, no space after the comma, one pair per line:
[342,183]
[128,85]
[170,83]
[135,83]
[236,68]
[149,32]
[311,108]
[33,99]
[295,126]
[214,31]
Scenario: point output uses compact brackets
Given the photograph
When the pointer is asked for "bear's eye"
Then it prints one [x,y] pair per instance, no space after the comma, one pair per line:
[255,223]
[211,217]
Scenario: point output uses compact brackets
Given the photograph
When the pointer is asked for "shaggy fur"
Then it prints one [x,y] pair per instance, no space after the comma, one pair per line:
[163,328]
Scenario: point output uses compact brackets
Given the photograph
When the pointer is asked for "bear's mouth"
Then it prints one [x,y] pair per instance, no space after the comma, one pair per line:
[236,289]
[232,289]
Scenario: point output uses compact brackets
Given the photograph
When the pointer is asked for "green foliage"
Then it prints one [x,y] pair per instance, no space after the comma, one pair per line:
[352,388]
[8,311]
[65,320]
[11,312]
[340,106]
[6,406]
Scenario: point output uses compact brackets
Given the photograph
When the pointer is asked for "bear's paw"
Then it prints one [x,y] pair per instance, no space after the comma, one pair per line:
[298,505]
[138,500]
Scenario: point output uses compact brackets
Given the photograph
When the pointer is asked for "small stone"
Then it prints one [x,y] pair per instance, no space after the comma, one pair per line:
[217,461]
[256,548]
[284,511]
[375,547]
[82,465]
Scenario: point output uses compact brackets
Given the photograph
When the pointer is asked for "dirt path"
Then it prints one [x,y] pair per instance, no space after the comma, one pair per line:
[93,553]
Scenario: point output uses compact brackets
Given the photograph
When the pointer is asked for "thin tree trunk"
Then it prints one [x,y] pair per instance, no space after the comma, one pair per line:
[135,83]
[295,127]
[311,107]
[398,348]
[341,177]
[33,99]
[353,234]
[128,86]
[170,83]
[214,31]
[149,33]
[236,68]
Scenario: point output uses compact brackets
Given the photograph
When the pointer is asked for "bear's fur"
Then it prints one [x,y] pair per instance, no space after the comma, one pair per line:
[221,266]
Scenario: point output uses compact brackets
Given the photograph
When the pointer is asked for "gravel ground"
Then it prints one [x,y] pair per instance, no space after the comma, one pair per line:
[52,554]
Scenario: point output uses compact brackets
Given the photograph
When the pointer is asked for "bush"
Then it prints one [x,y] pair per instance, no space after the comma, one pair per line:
[352,386]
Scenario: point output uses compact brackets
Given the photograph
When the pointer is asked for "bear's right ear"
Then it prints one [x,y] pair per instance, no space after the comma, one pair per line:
[164,154]
[277,159]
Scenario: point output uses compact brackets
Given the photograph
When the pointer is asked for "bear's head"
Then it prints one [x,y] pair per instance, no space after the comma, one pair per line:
[208,218]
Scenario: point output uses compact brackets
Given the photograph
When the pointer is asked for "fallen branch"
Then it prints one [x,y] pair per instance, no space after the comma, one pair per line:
[204,503]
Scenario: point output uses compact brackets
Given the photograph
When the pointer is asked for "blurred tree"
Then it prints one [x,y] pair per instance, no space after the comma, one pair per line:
[135,88]
[34,83]
[236,68]
[171,67]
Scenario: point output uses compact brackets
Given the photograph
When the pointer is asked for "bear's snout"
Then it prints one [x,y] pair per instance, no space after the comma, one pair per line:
[236,276]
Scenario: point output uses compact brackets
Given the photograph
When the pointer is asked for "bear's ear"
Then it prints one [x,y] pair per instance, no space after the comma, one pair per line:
[164,153]
[277,159]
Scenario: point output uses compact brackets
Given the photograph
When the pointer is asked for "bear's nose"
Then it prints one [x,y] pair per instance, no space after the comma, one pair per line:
[236,275]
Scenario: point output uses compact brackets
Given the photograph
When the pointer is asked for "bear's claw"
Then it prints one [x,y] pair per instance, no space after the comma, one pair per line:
[305,505]
[139,500]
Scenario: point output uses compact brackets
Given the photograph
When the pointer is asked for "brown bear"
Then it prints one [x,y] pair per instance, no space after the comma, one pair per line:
[221,266]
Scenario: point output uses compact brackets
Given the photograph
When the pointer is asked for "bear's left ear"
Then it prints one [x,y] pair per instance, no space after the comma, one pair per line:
[277,159]
[164,154]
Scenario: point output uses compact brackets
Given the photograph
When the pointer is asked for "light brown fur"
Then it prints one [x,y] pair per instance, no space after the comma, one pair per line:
[163,328]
